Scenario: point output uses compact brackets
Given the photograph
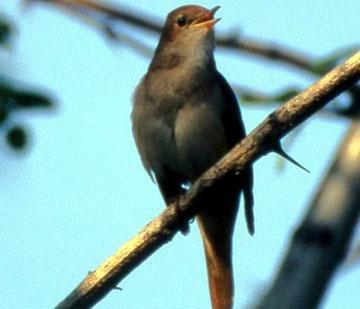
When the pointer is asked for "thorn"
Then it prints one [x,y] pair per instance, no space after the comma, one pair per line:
[278,149]
[117,288]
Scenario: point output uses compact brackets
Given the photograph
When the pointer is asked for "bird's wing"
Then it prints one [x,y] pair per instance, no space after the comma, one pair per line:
[234,132]
[138,129]
[231,116]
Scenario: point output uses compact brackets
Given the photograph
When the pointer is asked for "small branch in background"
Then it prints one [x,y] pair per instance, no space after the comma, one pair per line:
[273,52]
[159,231]
[321,242]
[14,98]
[115,13]
[98,10]
[136,45]
[104,17]
[105,23]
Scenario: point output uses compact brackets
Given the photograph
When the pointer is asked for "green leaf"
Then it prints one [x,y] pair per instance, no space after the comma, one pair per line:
[252,98]
[29,99]
[327,63]
[3,115]
[17,138]
[278,97]
[5,91]
[6,31]
[285,95]
[22,98]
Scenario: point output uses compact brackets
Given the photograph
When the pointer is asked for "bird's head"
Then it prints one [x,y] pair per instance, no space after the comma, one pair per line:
[188,33]
[190,23]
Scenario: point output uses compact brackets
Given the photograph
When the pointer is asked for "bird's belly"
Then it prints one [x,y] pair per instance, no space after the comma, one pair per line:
[160,145]
[200,139]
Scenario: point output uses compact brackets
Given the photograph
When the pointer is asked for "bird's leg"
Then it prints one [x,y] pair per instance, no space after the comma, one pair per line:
[185,228]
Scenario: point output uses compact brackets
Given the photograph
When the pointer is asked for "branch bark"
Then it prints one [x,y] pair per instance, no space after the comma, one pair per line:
[261,140]
[321,242]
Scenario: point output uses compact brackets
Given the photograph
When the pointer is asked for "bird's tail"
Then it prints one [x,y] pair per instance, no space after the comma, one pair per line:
[216,225]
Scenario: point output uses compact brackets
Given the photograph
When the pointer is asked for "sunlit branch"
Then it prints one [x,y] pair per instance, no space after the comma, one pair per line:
[258,143]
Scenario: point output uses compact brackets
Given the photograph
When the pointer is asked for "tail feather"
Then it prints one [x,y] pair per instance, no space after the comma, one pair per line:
[219,268]
[249,200]
[249,211]
[216,225]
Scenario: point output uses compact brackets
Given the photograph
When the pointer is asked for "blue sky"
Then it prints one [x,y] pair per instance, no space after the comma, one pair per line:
[81,191]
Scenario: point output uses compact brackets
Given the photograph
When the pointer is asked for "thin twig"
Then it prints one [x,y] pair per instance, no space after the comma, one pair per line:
[273,52]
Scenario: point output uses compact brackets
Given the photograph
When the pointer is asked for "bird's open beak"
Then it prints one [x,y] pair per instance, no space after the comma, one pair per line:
[207,20]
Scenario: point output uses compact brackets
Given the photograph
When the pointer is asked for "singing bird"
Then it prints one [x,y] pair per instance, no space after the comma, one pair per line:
[185,118]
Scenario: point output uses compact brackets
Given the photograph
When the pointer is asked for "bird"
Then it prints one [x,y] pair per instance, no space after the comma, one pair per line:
[185,118]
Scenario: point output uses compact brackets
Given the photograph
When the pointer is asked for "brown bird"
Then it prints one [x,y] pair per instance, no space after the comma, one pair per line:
[185,118]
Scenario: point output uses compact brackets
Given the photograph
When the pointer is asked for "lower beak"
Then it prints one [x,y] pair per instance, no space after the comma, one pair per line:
[208,21]
[208,24]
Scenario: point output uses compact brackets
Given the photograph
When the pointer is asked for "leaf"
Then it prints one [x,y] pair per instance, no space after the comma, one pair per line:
[327,63]
[5,32]
[29,99]
[17,138]
[3,115]
[5,91]
[285,95]
[15,98]
[278,97]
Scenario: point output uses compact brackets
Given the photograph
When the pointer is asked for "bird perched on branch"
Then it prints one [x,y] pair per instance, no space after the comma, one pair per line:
[185,118]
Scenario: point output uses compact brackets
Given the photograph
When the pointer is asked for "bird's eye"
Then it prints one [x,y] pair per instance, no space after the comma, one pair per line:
[181,21]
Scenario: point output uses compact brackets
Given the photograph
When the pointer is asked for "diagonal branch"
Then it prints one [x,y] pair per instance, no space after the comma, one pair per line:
[161,230]
[321,241]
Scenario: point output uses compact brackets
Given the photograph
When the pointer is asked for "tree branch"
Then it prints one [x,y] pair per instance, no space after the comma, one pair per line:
[321,242]
[161,230]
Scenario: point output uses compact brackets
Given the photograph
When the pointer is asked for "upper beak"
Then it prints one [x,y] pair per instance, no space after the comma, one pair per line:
[214,9]
[207,20]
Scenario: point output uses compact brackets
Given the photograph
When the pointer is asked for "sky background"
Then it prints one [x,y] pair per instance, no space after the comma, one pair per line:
[81,191]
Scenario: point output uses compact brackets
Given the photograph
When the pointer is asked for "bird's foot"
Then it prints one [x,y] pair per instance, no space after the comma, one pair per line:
[185,227]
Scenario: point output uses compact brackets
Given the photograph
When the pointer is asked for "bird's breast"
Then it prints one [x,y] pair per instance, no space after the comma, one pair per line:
[199,137]
[184,133]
